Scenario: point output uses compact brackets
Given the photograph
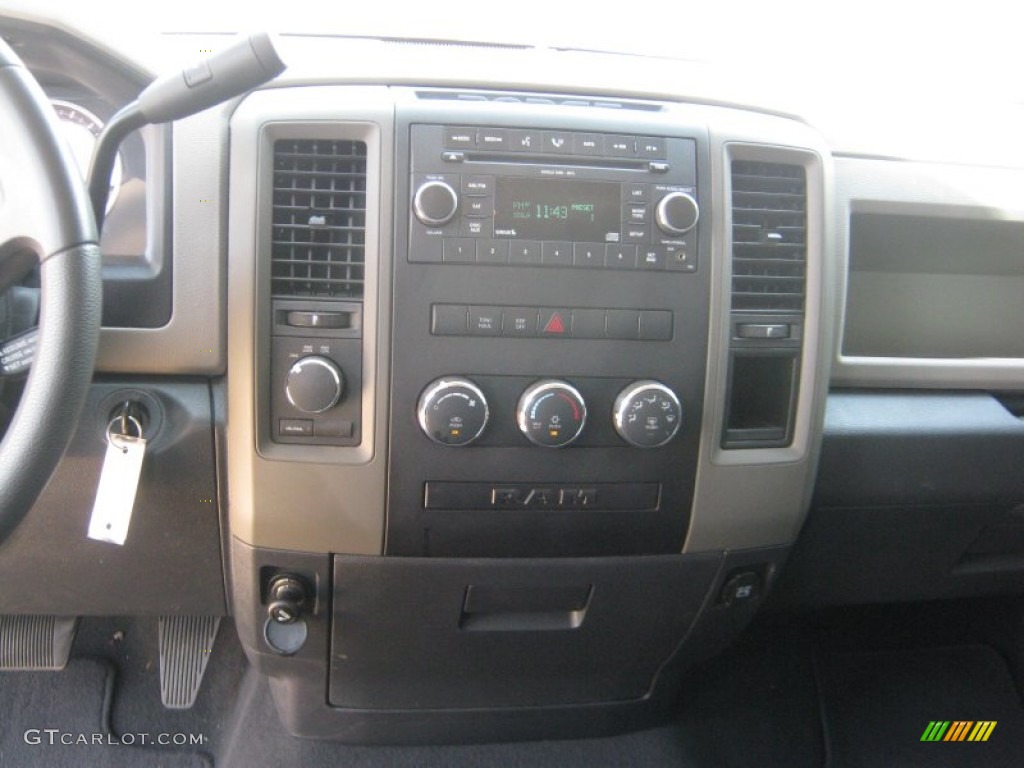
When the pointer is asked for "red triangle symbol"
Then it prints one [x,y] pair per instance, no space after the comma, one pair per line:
[555,324]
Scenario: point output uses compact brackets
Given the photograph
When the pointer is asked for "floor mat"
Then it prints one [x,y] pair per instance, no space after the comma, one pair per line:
[877,707]
[61,719]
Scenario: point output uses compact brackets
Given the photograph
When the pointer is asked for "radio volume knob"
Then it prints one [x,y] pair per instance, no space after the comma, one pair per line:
[677,213]
[453,411]
[551,413]
[314,384]
[435,203]
[647,414]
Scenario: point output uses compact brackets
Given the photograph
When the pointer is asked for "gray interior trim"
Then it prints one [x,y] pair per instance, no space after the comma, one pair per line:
[922,189]
[758,497]
[193,341]
[322,498]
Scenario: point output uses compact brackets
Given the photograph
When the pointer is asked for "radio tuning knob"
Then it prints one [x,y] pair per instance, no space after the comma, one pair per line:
[647,414]
[314,384]
[435,203]
[453,411]
[677,213]
[551,413]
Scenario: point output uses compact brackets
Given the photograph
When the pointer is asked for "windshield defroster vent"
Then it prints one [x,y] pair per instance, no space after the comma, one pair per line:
[769,237]
[319,219]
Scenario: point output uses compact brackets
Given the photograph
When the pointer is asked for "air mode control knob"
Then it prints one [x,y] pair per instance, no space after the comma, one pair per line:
[551,413]
[314,384]
[647,414]
[676,213]
[453,411]
[435,203]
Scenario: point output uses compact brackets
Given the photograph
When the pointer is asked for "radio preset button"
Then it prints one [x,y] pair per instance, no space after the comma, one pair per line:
[459,250]
[588,255]
[620,257]
[524,252]
[557,254]
[492,251]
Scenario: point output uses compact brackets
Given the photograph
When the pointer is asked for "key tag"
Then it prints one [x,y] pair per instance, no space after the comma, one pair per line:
[119,481]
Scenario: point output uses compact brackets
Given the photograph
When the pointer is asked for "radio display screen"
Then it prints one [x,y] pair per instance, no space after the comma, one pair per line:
[557,209]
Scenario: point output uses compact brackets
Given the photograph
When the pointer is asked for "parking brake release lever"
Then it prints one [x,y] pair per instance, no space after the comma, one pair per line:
[247,63]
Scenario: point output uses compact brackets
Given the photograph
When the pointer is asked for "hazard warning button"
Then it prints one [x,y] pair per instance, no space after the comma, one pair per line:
[555,322]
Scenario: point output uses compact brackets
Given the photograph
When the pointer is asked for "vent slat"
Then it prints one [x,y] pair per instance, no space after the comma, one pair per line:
[769,233]
[319,218]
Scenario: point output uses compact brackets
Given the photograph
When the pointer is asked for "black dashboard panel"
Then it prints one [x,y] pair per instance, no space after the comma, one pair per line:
[552,270]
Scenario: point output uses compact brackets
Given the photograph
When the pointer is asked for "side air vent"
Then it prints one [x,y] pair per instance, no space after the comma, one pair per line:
[319,219]
[769,237]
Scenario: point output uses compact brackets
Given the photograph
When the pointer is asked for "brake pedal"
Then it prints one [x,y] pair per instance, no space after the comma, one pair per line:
[186,644]
[30,643]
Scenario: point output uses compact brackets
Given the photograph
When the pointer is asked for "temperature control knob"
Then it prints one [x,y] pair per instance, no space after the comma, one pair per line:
[314,384]
[677,213]
[647,414]
[551,413]
[453,411]
[435,203]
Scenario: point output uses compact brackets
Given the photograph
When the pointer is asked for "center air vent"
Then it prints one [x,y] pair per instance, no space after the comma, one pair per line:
[319,219]
[769,237]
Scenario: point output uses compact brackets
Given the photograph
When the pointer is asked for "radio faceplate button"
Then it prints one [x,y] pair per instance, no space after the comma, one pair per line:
[492,138]
[460,138]
[524,252]
[620,146]
[652,257]
[620,257]
[635,214]
[476,228]
[677,213]
[460,250]
[477,186]
[525,141]
[651,147]
[587,144]
[636,193]
[492,251]
[558,142]
[557,254]
[637,233]
[588,255]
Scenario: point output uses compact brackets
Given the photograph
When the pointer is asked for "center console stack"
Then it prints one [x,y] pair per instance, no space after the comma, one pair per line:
[525,442]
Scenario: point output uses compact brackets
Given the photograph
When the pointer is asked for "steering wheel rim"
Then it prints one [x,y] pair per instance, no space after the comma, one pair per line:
[45,219]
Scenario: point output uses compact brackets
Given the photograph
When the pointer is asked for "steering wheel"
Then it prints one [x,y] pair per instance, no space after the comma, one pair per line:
[45,219]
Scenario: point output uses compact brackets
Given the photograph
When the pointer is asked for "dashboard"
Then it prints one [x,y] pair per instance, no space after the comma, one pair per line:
[459,382]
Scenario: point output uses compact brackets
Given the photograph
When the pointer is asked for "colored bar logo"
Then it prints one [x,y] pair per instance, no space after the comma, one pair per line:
[959,730]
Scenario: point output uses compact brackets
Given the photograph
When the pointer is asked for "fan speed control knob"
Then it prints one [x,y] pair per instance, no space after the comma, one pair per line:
[647,414]
[453,411]
[435,203]
[677,213]
[314,384]
[551,413]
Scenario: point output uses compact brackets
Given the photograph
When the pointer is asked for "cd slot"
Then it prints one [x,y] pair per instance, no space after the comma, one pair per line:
[507,158]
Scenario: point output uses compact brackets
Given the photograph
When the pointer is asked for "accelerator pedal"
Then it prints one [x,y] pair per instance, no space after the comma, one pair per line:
[29,643]
[186,644]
